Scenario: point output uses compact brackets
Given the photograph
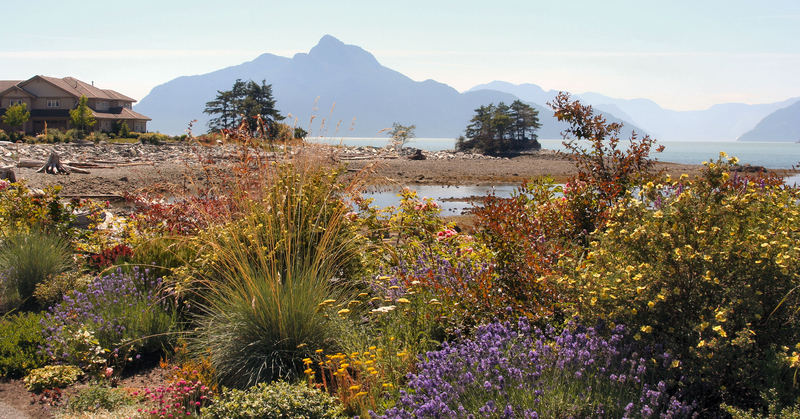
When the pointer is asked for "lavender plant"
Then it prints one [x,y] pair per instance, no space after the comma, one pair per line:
[511,371]
[117,316]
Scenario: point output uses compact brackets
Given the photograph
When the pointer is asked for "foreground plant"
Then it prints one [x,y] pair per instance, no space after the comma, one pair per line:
[708,268]
[273,401]
[520,371]
[117,316]
[263,275]
[27,259]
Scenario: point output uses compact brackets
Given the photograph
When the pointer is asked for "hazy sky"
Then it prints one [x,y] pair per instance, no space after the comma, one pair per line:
[682,54]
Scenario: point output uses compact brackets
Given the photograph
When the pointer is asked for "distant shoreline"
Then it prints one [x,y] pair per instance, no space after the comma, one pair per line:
[175,165]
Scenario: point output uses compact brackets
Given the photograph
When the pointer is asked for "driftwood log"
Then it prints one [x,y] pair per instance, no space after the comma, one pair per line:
[7,173]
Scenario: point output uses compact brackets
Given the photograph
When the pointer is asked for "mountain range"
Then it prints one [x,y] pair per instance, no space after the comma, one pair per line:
[339,90]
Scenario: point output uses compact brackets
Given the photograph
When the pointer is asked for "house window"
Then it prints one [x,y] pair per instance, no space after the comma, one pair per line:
[13,102]
[53,103]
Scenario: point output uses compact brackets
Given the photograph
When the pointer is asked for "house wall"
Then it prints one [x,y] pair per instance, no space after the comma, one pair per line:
[12,97]
[46,91]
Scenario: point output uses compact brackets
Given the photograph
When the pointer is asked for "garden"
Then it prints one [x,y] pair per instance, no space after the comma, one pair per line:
[273,289]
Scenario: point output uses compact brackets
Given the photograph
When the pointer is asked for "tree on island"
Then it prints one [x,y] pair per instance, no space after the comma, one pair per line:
[247,105]
[502,129]
[16,116]
[82,117]
[400,135]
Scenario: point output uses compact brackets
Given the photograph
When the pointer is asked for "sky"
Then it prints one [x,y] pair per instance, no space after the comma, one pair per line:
[684,55]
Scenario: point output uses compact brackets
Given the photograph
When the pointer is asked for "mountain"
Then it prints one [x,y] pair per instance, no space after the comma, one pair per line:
[781,125]
[720,122]
[342,85]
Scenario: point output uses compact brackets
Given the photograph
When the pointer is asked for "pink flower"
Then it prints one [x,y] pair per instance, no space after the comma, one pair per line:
[109,372]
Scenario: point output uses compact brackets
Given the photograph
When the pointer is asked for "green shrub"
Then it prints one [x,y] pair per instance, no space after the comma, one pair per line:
[21,210]
[4,136]
[98,397]
[52,376]
[53,290]
[20,339]
[265,274]
[708,269]
[276,400]
[28,258]
[153,138]
[96,137]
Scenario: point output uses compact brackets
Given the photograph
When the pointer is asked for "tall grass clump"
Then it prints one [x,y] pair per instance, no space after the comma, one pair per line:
[264,274]
[28,258]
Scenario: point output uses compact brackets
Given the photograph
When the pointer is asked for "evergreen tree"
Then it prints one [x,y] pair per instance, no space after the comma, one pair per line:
[82,117]
[246,102]
[501,129]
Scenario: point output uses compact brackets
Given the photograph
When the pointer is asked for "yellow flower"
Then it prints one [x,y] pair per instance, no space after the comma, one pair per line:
[342,312]
[360,393]
[355,387]
[647,329]
[676,363]
[403,301]
[651,304]
[720,331]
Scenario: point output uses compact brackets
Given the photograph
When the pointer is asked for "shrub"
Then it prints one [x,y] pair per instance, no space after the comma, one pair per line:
[266,273]
[4,136]
[276,400]
[52,290]
[178,399]
[111,256]
[708,268]
[153,138]
[20,339]
[28,258]
[528,233]
[21,211]
[508,371]
[52,376]
[119,313]
[97,137]
[97,397]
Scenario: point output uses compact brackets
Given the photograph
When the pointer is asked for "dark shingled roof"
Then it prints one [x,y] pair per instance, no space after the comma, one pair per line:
[124,114]
[79,88]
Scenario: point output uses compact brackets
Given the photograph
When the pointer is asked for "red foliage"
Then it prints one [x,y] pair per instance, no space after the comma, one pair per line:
[110,256]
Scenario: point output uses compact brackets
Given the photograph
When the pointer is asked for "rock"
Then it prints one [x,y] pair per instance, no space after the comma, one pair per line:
[7,173]
[416,155]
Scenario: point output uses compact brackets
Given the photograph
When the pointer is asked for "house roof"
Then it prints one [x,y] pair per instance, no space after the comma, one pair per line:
[80,88]
[124,114]
[7,84]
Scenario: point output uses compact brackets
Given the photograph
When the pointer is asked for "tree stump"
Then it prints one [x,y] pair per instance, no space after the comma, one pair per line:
[7,173]
[53,166]
[416,154]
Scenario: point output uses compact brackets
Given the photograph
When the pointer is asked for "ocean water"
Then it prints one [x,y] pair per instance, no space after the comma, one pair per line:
[456,199]
[771,155]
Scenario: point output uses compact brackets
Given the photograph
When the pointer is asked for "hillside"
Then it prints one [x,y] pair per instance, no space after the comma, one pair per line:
[781,125]
[725,121]
[343,87]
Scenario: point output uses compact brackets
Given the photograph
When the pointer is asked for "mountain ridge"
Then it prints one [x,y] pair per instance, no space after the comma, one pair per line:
[723,121]
[781,125]
[343,85]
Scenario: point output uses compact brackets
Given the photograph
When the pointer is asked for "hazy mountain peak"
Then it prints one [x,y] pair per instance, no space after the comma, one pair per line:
[330,50]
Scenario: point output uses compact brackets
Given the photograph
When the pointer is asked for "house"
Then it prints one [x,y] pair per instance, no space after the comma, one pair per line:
[49,100]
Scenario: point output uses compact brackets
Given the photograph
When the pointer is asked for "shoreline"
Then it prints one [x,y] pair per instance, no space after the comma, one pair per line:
[117,170]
